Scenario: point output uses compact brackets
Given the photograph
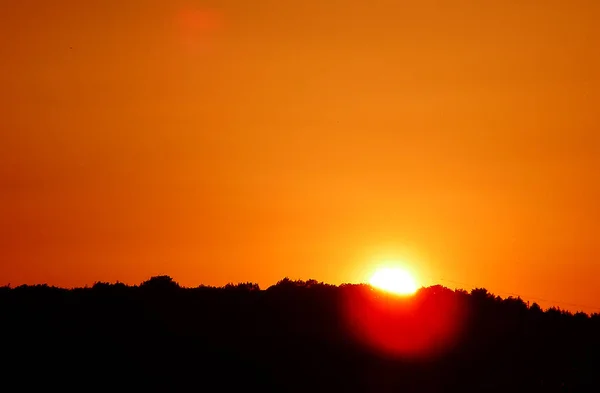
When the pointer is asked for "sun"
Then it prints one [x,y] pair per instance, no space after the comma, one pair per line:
[394,280]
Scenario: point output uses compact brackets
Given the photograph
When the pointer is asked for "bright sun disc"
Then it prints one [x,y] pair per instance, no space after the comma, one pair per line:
[394,280]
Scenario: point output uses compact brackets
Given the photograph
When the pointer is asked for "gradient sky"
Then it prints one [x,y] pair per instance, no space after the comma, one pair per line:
[238,140]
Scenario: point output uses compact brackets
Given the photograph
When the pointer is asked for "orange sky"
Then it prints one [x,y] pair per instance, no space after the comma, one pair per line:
[251,140]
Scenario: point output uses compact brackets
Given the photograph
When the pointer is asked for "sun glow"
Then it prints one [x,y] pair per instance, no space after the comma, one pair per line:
[394,280]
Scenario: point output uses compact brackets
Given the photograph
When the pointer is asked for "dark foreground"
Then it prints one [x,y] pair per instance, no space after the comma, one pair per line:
[292,337]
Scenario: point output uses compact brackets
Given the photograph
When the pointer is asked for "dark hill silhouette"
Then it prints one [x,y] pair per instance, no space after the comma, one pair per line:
[296,336]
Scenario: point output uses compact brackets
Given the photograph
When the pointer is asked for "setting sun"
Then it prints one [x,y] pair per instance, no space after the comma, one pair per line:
[394,280]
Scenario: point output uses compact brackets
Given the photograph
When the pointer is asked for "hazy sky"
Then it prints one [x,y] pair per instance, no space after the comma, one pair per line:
[245,140]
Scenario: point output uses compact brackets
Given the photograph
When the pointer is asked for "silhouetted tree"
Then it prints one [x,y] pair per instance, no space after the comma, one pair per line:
[160,283]
[245,287]
[296,336]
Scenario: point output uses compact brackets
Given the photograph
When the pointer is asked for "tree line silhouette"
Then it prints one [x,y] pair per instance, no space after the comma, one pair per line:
[295,336]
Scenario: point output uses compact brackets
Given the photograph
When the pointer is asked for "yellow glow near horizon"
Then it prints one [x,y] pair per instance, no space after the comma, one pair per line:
[394,280]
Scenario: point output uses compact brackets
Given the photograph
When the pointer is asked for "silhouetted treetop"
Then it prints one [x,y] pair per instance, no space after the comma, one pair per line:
[160,283]
[244,286]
